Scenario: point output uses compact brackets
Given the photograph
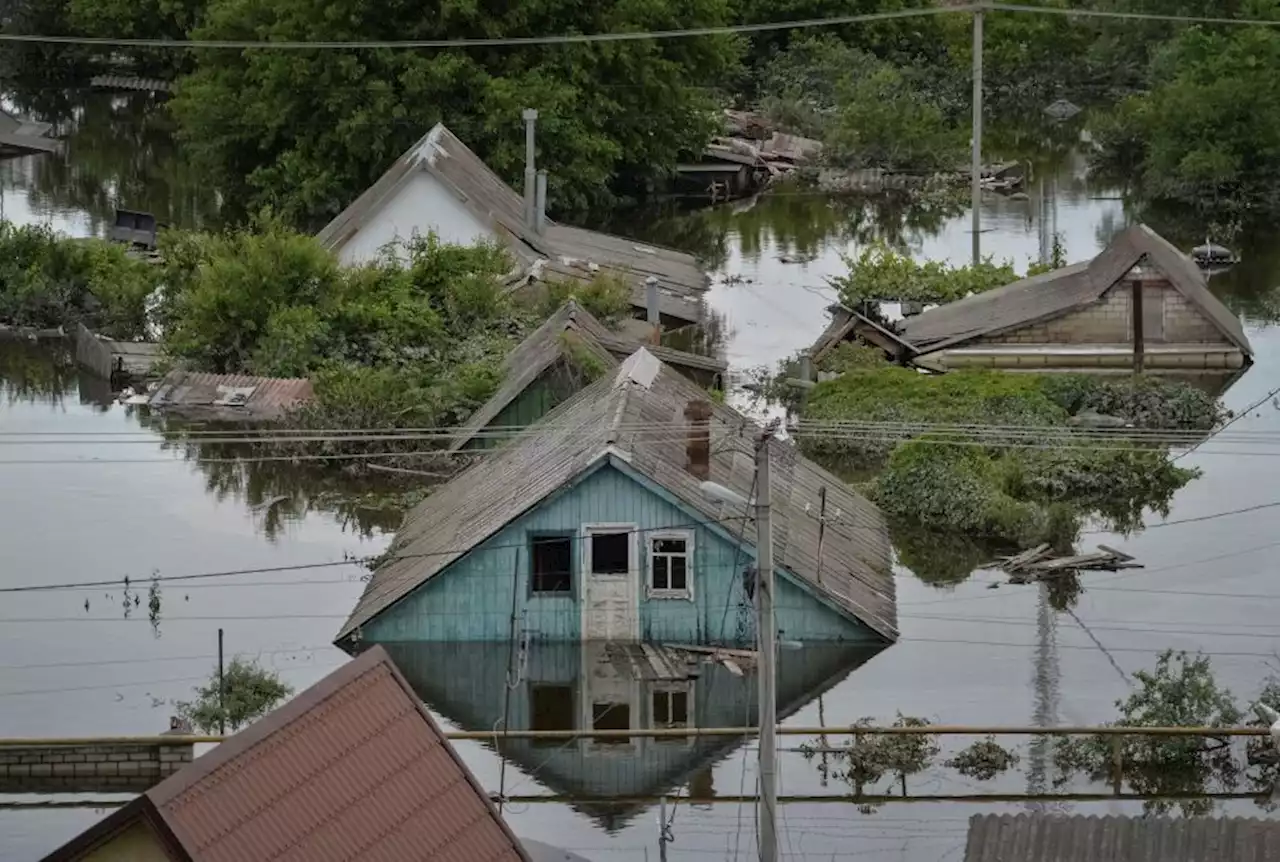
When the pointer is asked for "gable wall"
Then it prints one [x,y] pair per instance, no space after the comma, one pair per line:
[420,205]
[471,600]
[1109,321]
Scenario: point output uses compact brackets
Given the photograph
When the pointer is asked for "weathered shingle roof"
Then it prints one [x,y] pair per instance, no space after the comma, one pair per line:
[637,416]
[229,396]
[546,344]
[1054,293]
[353,768]
[1052,838]
[561,250]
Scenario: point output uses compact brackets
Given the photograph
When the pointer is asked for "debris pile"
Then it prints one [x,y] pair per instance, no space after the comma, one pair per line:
[1040,563]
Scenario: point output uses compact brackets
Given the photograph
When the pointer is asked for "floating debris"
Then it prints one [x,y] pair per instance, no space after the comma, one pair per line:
[1040,563]
[1211,254]
[1062,110]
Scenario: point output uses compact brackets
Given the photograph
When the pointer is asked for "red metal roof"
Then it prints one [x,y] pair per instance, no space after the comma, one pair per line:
[203,394]
[354,768]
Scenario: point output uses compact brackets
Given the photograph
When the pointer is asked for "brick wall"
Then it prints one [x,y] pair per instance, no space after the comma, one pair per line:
[1108,322]
[92,767]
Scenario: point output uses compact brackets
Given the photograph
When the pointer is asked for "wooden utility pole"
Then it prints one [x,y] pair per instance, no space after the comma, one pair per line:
[976,178]
[1139,337]
[222,692]
[767,630]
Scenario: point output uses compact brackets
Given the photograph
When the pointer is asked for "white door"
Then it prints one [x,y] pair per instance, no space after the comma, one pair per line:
[611,583]
[610,699]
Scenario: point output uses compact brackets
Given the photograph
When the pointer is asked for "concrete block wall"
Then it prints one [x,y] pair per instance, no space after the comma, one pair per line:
[1109,321]
[93,766]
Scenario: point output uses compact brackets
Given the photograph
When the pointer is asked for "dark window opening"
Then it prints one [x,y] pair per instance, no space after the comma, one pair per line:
[611,716]
[610,553]
[552,570]
[551,707]
[671,709]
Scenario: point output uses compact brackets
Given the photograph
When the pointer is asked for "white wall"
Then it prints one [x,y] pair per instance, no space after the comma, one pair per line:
[420,205]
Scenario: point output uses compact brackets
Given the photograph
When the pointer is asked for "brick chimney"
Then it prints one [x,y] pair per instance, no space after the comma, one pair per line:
[698,447]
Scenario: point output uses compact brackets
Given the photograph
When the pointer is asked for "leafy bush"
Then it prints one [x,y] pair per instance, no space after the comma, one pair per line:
[983,760]
[1146,401]
[47,281]
[248,692]
[606,296]
[880,273]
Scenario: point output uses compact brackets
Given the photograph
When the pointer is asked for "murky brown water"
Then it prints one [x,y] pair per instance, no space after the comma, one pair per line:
[968,654]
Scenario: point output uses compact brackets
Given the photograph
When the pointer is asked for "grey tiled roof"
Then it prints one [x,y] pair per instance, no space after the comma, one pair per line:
[560,250]
[637,416]
[1053,838]
[1051,294]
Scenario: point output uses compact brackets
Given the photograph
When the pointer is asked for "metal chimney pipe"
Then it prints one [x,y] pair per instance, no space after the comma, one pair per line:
[540,219]
[530,116]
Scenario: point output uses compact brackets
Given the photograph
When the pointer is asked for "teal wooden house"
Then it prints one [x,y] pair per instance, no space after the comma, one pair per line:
[596,525]
[592,686]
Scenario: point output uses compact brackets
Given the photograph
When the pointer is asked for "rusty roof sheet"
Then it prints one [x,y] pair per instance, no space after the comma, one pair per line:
[1055,838]
[637,415]
[565,251]
[1051,294]
[353,768]
[229,396]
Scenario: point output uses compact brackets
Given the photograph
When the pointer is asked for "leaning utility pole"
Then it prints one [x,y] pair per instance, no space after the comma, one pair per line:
[767,630]
[976,178]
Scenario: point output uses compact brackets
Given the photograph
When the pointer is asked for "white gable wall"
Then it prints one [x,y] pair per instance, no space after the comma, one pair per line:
[420,205]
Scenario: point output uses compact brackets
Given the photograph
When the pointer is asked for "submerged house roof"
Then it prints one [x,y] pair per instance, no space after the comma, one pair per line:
[1063,290]
[635,419]
[1056,838]
[230,397]
[572,328]
[559,250]
[353,768]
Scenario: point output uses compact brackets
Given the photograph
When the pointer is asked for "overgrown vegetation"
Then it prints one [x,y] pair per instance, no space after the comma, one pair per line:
[247,692]
[983,760]
[880,273]
[48,281]
[1005,486]
[1180,691]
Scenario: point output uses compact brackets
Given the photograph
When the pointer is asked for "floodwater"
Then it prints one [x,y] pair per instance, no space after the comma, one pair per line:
[101,508]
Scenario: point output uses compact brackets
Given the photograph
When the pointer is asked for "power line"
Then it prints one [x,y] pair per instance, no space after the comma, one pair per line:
[1131,16]
[499,42]
[350,561]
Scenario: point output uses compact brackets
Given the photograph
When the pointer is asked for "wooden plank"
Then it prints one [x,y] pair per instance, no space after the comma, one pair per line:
[660,667]
[731,666]
[1119,555]
[1018,561]
[711,650]
[1078,562]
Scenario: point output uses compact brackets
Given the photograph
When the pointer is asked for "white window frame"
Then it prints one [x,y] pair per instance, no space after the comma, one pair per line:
[685,536]
[685,687]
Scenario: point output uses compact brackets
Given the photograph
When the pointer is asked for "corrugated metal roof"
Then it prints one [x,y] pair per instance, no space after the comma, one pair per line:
[641,420]
[564,251]
[354,768]
[1055,838]
[1054,293]
[545,346]
[229,396]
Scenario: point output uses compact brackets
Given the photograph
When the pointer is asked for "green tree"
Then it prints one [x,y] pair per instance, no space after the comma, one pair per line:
[1208,131]
[247,693]
[305,132]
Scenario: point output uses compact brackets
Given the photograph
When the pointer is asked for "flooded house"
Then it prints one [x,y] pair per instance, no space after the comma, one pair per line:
[594,686]
[1141,304]
[598,524]
[440,186]
[560,357]
[232,398]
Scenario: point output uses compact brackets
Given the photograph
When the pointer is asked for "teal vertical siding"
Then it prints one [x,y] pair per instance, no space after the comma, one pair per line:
[471,600]
[537,400]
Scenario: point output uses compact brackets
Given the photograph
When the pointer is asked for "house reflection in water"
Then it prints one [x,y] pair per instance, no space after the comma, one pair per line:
[606,686]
